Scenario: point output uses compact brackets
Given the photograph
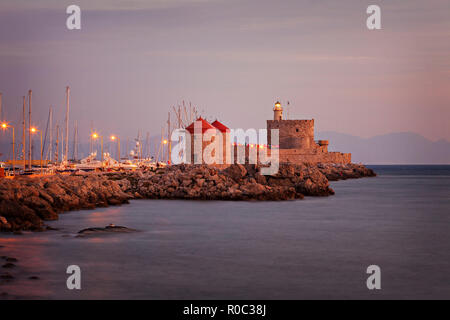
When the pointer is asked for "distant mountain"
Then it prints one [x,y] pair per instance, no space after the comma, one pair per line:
[393,148]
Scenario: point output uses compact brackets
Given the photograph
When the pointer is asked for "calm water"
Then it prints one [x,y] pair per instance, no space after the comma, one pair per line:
[312,248]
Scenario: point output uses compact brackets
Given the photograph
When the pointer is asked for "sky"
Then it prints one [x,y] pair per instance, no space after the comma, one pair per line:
[134,59]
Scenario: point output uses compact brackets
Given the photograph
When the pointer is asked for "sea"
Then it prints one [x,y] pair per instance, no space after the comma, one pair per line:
[315,248]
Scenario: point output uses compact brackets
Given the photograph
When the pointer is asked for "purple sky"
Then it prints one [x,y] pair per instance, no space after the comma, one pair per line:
[132,60]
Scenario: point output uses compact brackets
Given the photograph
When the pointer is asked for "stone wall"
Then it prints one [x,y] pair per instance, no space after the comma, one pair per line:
[297,156]
[297,143]
[294,134]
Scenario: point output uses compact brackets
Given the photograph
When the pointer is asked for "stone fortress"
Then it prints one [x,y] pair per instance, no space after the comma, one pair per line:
[296,141]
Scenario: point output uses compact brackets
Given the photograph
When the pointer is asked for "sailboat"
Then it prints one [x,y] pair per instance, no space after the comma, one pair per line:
[89,163]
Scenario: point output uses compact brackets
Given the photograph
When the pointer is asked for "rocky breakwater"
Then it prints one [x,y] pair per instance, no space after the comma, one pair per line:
[237,182]
[335,172]
[28,201]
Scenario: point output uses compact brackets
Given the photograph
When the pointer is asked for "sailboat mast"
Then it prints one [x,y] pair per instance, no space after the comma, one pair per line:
[62,144]
[24,137]
[90,138]
[147,145]
[30,93]
[75,142]
[66,151]
[50,127]
[138,145]
[57,144]
[162,144]
[169,142]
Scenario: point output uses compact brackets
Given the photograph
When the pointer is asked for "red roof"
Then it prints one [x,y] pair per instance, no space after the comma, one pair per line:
[220,126]
[205,125]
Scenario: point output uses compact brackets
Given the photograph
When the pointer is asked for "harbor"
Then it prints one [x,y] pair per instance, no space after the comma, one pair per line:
[57,149]
[208,161]
[197,141]
[28,202]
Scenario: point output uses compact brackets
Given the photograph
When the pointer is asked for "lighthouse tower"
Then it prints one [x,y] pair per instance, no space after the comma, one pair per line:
[278,111]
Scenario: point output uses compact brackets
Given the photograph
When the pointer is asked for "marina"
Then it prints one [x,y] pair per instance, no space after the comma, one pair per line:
[55,146]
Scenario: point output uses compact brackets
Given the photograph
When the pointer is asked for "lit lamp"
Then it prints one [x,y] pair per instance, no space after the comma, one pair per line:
[114,138]
[278,111]
[165,142]
[4,127]
[95,136]
[33,131]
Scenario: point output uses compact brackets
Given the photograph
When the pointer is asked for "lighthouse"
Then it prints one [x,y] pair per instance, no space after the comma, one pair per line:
[278,111]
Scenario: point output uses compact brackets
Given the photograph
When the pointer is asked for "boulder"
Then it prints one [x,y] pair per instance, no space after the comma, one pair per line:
[235,172]
[106,230]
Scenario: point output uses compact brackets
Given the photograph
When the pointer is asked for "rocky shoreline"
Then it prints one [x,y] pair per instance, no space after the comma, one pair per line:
[26,202]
